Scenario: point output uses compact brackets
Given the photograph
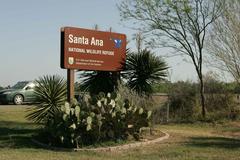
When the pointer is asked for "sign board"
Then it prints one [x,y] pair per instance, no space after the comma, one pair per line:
[92,50]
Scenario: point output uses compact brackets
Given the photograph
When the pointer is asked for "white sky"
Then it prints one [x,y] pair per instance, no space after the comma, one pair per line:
[30,36]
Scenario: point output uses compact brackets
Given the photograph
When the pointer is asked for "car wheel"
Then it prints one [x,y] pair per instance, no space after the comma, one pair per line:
[18,99]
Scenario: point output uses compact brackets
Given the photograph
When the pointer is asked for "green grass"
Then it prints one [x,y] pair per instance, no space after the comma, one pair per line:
[186,142]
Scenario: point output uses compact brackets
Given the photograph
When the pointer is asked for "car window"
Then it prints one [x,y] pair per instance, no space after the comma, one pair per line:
[30,86]
[20,85]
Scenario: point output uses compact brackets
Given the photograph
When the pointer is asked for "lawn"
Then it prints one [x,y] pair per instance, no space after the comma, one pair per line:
[186,142]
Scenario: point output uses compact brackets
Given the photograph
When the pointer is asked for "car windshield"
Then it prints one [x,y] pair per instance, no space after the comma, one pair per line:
[19,85]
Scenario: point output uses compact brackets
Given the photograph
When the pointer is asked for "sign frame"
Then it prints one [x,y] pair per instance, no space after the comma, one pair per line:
[85,49]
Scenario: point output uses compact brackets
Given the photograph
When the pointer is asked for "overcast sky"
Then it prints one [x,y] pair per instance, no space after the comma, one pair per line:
[30,36]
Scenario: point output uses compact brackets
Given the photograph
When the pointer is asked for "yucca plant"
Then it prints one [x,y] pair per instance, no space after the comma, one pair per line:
[143,69]
[101,81]
[50,95]
[97,81]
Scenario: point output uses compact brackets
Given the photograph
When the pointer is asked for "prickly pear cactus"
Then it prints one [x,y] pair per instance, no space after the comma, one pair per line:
[107,117]
[66,108]
[77,112]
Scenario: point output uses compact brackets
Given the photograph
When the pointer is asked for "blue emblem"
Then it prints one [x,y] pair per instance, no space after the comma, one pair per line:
[117,42]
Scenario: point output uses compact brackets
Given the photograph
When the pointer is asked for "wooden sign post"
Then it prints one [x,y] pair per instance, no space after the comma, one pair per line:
[70,84]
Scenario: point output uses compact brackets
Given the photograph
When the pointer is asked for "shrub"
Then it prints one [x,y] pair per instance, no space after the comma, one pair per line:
[220,102]
[134,98]
[161,87]
[96,119]
[50,94]
[183,101]
[144,101]
[222,106]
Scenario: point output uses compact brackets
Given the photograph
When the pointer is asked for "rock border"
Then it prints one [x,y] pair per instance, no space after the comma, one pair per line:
[113,148]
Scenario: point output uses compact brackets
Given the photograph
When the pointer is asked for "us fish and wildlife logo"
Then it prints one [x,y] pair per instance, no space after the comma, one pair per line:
[117,42]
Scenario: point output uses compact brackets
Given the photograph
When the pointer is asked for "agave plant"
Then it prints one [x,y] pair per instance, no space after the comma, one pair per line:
[50,95]
[143,69]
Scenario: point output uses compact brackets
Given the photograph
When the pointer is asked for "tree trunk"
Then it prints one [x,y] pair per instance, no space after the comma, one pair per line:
[202,98]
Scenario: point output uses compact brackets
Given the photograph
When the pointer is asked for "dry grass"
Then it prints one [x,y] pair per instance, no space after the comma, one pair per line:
[187,142]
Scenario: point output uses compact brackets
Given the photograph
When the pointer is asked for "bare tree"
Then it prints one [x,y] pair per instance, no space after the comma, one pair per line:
[179,24]
[139,41]
[224,40]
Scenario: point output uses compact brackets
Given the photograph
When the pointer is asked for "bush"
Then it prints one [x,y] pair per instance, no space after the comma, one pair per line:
[134,98]
[183,102]
[96,119]
[222,106]
[161,87]
[221,103]
[220,99]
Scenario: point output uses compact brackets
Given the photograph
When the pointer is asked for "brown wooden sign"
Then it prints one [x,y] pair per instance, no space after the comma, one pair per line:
[92,50]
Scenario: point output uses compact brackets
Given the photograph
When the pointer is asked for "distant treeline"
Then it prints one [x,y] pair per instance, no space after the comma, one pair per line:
[210,87]
[183,105]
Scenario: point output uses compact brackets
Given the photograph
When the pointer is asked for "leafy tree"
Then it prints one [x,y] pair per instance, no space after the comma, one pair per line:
[50,95]
[143,70]
[224,41]
[178,24]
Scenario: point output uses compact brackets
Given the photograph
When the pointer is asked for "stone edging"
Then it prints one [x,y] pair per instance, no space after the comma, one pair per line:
[113,148]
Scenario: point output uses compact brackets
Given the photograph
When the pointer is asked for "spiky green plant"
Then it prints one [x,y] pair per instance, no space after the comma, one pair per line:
[97,81]
[50,95]
[143,69]
[101,81]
